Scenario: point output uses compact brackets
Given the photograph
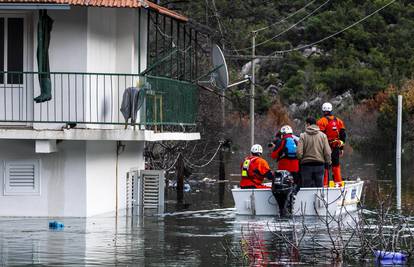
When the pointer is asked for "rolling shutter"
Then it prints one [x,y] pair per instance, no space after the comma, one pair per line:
[21,177]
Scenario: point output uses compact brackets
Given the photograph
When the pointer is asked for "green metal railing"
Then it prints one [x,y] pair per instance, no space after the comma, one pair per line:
[172,101]
[94,98]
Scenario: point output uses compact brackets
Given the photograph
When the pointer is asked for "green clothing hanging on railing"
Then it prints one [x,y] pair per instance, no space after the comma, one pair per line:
[44,27]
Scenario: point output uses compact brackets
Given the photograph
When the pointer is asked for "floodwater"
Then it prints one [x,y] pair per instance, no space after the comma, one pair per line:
[201,231]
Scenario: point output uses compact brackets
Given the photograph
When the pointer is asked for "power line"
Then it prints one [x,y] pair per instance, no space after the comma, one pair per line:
[165,35]
[334,34]
[276,23]
[175,161]
[250,57]
[286,30]
[217,16]
[213,2]
[285,18]
[205,164]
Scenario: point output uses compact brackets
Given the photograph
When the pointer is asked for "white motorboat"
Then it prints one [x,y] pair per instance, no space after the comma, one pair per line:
[308,201]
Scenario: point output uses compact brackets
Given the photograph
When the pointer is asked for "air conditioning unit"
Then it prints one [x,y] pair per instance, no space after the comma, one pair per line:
[145,191]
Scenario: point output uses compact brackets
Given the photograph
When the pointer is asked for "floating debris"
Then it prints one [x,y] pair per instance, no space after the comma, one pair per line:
[56,225]
[389,257]
[208,180]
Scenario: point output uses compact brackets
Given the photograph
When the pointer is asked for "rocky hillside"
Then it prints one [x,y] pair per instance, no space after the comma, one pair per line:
[352,68]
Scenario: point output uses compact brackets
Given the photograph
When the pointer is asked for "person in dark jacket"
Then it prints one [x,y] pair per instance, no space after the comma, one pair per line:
[314,153]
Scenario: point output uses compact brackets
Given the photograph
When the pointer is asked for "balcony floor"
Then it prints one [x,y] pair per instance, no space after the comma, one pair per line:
[96,134]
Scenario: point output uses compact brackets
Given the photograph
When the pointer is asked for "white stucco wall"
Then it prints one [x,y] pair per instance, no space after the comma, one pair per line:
[62,180]
[112,40]
[112,48]
[67,53]
[101,174]
[100,171]
[68,40]
[143,39]
[101,57]
[91,40]
[94,40]
[79,180]
[101,42]
[66,179]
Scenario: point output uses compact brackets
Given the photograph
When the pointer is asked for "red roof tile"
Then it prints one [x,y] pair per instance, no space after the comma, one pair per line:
[106,3]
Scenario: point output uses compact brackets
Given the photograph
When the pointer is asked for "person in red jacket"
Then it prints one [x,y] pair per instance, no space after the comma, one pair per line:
[334,128]
[254,169]
[284,151]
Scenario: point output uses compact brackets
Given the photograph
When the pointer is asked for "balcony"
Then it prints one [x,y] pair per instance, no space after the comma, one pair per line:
[92,101]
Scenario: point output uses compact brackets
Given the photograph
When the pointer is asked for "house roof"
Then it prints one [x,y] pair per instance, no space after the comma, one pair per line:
[106,3]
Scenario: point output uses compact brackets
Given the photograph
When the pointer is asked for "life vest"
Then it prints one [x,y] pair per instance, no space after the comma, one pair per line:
[332,129]
[290,148]
[249,176]
[246,165]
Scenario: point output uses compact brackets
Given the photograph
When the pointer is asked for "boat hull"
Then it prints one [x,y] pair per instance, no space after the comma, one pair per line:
[308,201]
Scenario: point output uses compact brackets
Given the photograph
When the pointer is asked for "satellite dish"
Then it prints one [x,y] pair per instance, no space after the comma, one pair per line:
[221,73]
[219,76]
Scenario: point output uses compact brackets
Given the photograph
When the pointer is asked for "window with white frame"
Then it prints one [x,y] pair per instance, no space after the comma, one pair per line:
[22,177]
[12,42]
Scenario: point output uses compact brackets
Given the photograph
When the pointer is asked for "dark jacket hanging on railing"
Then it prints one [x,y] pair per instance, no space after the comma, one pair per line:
[132,100]
[44,27]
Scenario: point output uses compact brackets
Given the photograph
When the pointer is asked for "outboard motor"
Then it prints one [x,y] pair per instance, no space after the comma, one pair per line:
[283,189]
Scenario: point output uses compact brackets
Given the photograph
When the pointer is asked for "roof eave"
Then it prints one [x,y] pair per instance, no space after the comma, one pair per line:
[166,11]
[53,4]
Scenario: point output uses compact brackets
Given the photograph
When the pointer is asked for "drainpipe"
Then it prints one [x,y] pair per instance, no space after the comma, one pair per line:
[119,149]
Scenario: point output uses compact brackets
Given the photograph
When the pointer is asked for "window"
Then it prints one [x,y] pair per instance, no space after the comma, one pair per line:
[22,177]
[11,49]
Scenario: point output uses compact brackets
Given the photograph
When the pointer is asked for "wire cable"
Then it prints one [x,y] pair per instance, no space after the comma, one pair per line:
[165,35]
[175,161]
[285,18]
[286,30]
[156,24]
[334,34]
[205,164]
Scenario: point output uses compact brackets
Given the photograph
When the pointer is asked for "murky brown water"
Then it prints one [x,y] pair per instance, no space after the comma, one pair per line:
[180,237]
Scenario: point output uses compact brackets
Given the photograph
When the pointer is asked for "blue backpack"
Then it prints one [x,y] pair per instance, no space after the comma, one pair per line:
[290,148]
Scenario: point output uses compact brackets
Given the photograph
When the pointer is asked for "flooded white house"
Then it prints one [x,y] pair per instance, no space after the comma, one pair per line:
[64,147]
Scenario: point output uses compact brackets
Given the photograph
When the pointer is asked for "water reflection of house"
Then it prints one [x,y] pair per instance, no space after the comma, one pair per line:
[59,157]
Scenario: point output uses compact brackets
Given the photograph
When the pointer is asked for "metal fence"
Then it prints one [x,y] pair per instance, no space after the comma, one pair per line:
[93,99]
[172,101]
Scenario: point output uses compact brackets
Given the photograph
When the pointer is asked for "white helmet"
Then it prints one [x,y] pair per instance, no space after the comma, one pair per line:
[286,129]
[257,149]
[327,107]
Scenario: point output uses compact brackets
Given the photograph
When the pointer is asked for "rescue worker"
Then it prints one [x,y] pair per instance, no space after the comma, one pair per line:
[284,151]
[334,128]
[314,153]
[255,169]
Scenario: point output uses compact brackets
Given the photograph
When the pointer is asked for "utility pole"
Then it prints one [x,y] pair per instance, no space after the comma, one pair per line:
[222,174]
[223,111]
[398,152]
[252,89]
